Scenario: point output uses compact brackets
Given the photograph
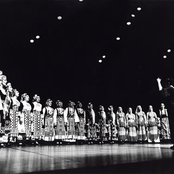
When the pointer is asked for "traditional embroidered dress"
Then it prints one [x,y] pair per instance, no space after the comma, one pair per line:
[141,121]
[165,128]
[91,126]
[121,122]
[103,126]
[37,120]
[14,114]
[81,126]
[59,122]
[2,116]
[7,106]
[26,112]
[132,127]
[48,123]
[153,135]
[112,131]
[71,118]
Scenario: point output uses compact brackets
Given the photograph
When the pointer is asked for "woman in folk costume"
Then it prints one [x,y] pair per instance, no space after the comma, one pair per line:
[132,126]
[59,122]
[142,123]
[2,98]
[7,106]
[82,121]
[91,127]
[71,120]
[14,114]
[37,120]
[121,123]
[25,118]
[48,112]
[164,123]
[112,131]
[153,122]
[102,124]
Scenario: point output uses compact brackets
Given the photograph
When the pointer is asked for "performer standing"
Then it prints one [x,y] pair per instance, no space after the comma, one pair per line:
[2,98]
[14,115]
[37,120]
[48,112]
[91,128]
[102,124]
[121,122]
[26,114]
[112,131]
[7,106]
[153,135]
[82,121]
[164,122]
[132,126]
[142,122]
[71,120]
[167,92]
[59,122]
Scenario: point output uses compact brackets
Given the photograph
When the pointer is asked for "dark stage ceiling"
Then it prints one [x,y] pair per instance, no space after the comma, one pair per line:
[74,35]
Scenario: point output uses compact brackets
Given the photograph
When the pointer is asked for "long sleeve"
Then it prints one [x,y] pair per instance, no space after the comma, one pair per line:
[55,116]
[65,115]
[76,117]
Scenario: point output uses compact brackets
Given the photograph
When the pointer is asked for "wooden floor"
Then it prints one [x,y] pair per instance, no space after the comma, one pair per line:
[106,158]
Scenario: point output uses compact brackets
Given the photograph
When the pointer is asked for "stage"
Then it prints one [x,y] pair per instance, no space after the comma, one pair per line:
[105,158]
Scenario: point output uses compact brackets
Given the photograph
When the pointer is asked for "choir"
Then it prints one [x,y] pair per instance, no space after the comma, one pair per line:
[22,122]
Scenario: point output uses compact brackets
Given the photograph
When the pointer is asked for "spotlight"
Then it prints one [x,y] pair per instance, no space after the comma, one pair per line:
[59,17]
[139,8]
[128,23]
[103,56]
[37,37]
[164,56]
[31,41]
[133,15]
[100,61]
[117,38]
[169,50]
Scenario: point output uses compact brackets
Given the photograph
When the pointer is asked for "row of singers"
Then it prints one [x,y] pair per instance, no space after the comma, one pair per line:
[76,123]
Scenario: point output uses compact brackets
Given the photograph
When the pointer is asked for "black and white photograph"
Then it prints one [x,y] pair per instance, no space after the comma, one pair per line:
[87,86]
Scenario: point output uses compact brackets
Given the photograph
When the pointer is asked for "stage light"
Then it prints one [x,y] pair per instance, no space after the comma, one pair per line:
[103,56]
[117,38]
[80,0]
[164,56]
[100,61]
[128,23]
[59,17]
[169,50]
[133,15]
[139,8]
[37,37]
[31,41]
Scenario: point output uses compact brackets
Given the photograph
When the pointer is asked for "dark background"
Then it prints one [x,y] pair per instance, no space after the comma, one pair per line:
[63,63]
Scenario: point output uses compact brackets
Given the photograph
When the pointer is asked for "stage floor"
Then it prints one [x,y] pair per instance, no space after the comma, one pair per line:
[61,157]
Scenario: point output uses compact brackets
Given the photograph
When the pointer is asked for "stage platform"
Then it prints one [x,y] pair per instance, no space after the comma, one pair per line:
[105,158]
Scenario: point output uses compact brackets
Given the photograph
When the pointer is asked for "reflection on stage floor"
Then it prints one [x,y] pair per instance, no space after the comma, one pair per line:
[51,158]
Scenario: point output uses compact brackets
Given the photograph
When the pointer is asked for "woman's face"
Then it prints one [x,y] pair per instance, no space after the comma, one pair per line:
[10,88]
[162,105]
[27,98]
[50,103]
[139,108]
[130,110]
[16,93]
[80,105]
[120,109]
[101,108]
[38,99]
[150,108]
